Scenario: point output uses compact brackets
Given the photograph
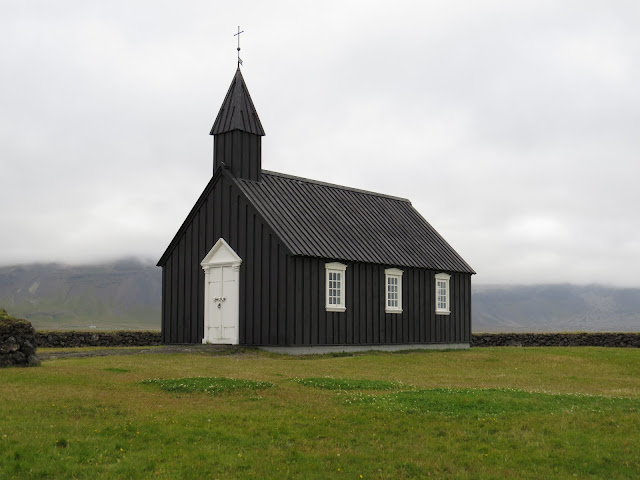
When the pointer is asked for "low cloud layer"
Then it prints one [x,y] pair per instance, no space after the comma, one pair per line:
[511,127]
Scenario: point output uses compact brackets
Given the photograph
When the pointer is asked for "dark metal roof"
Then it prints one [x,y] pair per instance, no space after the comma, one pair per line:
[330,221]
[237,111]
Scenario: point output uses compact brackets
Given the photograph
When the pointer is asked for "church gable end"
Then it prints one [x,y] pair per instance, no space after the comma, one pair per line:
[222,212]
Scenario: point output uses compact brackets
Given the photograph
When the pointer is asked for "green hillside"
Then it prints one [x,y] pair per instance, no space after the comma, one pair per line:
[555,308]
[119,295]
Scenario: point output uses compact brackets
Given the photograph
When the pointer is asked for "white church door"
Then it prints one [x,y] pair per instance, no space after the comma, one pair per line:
[222,294]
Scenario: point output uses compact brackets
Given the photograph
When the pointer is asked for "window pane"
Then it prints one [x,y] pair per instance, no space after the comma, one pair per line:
[442,295]
[393,291]
[334,291]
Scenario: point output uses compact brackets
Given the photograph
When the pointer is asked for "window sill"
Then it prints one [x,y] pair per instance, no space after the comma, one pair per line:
[443,312]
[335,309]
[393,310]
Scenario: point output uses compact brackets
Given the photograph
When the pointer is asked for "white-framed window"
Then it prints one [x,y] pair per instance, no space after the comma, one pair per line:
[393,288]
[442,293]
[335,287]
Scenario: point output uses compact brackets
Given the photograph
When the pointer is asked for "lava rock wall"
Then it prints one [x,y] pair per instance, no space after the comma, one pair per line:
[555,340]
[97,339]
[17,342]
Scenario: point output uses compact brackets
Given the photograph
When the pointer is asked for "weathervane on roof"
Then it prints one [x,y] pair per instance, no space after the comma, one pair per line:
[238,35]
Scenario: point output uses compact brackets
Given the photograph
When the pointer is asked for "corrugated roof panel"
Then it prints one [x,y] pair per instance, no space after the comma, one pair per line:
[330,221]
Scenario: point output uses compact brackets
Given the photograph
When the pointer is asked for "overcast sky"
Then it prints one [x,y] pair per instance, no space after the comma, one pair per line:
[513,127]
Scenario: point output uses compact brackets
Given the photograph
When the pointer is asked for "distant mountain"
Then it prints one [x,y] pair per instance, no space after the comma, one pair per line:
[121,295]
[555,308]
[127,295]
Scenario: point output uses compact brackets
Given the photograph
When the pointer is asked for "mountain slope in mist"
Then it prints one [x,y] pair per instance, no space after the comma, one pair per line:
[125,295]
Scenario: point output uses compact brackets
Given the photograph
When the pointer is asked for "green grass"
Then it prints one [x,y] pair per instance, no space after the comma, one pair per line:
[479,414]
[117,370]
[349,384]
[494,402]
[210,385]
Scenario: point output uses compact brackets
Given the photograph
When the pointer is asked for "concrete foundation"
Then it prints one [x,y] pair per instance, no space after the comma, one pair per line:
[363,348]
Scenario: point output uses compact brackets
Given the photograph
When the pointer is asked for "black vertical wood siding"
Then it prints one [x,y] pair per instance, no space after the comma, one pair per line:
[365,321]
[240,151]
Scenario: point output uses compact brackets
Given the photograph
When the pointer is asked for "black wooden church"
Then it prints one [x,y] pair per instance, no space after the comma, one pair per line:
[272,260]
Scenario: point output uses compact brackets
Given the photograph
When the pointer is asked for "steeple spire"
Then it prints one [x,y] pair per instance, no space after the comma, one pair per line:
[237,111]
[237,133]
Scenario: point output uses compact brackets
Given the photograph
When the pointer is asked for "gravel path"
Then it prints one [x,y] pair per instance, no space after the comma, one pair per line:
[103,352]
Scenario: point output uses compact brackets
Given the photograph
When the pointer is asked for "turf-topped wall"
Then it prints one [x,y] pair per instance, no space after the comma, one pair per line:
[97,339]
[555,340]
[17,342]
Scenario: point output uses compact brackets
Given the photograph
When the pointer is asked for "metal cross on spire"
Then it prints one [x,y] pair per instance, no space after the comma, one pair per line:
[238,35]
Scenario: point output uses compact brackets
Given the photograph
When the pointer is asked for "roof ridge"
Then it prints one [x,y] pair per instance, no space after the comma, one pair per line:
[334,185]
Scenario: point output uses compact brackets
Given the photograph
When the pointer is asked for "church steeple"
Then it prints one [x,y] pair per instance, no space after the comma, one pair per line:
[237,133]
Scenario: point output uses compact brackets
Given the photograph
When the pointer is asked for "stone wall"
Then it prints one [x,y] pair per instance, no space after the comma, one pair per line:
[555,340]
[97,339]
[135,338]
[17,342]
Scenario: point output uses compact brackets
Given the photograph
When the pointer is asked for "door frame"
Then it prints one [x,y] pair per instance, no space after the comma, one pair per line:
[221,255]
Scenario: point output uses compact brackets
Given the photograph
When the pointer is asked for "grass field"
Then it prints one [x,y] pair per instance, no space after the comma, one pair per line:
[483,413]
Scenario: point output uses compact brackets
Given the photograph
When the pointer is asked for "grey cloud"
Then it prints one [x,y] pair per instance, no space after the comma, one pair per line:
[511,126]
